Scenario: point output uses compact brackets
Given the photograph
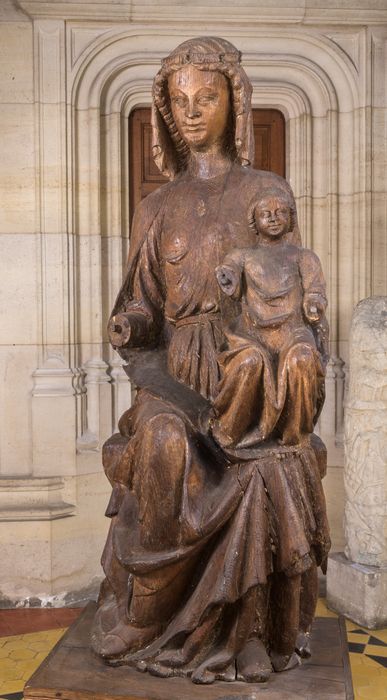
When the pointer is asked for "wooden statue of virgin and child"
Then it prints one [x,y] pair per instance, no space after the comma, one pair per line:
[218,518]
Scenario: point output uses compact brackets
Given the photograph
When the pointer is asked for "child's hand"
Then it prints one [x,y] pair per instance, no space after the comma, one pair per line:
[314,310]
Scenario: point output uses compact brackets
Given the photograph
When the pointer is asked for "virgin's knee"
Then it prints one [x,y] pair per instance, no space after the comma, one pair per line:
[164,426]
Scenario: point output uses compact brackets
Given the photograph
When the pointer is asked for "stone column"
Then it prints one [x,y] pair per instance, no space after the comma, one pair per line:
[357,578]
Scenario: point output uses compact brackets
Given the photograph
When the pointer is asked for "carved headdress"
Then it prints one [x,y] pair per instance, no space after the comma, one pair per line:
[205,53]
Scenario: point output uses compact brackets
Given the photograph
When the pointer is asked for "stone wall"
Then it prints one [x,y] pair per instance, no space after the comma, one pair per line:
[52,502]
[71,74]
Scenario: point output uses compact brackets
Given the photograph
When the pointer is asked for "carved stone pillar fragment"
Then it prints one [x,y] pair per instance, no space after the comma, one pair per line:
[366,437]
[362,568]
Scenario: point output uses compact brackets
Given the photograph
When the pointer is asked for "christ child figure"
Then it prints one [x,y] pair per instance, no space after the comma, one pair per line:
[272,372]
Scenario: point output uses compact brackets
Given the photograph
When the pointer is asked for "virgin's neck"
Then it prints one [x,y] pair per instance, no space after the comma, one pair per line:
[206,165]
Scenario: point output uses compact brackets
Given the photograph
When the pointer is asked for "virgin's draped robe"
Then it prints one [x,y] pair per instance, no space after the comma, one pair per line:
[197,543]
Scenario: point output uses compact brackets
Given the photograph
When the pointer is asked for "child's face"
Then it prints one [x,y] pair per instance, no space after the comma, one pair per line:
[272,217]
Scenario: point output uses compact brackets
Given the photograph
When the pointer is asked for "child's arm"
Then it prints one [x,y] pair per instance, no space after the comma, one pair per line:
[229,274]
[313,284]
[315,300]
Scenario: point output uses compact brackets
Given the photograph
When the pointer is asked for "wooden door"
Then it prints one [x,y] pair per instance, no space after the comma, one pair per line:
[269,133]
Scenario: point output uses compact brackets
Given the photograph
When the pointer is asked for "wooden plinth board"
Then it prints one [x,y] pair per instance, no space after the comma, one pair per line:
[72,672]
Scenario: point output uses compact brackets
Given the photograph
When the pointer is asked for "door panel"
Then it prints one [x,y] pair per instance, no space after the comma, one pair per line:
[269,133]
[269,136]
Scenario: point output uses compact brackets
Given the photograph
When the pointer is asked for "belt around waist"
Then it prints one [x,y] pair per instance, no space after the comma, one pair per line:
[197,319]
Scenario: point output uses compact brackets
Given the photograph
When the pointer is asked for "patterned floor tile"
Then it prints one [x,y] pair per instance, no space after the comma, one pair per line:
[377,642]
[21,655]
[356,648]
[382,660]
[11,695]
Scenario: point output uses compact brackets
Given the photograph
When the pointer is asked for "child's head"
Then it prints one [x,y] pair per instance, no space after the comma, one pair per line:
[271,215]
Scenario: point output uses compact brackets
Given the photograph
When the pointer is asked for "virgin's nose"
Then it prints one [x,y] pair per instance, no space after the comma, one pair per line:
[192,110]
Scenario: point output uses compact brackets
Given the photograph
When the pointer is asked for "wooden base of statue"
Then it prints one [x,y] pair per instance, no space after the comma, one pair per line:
[72,672]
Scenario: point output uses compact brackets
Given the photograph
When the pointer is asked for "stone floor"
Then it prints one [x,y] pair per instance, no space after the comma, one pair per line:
[27,635]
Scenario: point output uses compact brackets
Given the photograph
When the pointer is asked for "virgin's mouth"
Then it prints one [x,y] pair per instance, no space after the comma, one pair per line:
[194,127]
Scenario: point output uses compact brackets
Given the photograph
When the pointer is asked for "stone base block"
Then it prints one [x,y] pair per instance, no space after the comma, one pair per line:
[357,591]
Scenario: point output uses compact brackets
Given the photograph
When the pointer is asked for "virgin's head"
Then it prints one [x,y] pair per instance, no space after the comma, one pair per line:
[202,100]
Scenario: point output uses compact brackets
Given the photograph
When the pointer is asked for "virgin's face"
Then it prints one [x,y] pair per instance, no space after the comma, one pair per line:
[200,102]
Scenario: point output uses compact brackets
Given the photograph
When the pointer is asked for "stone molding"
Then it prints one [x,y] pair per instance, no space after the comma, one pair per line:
[121,390]
[219,11]
[53,381]
[33,499]
[96,379]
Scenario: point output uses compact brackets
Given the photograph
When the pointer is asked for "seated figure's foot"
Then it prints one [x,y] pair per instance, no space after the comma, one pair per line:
[124,638]
[284,662]
[303,645]
[253,663]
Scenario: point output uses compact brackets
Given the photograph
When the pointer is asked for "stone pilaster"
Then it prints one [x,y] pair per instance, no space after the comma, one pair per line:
[362,568]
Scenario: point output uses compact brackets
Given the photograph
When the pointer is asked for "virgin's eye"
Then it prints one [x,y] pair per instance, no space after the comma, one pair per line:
[264,214]
[282,211]
[205,99]
[179,101]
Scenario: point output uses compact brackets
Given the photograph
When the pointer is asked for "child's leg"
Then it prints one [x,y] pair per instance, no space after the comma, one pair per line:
[246,397]
[302,373]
